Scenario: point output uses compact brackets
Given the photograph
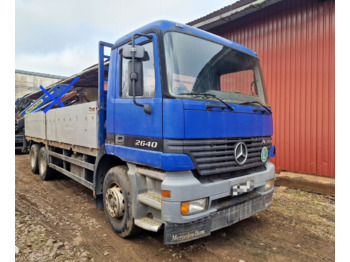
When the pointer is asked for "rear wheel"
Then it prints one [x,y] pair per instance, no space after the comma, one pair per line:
[117,202]
[45,171]
[34,158]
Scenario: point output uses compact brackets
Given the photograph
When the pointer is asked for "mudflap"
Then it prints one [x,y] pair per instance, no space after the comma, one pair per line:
[180,233]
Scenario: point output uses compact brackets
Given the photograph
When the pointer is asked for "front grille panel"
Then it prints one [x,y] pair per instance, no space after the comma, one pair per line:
[216,156]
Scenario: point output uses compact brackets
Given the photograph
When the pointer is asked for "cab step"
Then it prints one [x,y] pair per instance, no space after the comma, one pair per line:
[151,199]
[150,224]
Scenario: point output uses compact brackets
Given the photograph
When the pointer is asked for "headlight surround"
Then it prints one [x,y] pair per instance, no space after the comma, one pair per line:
[194,206]
[269,184]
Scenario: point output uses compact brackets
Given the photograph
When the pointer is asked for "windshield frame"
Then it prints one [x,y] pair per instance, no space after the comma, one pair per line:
[167,93]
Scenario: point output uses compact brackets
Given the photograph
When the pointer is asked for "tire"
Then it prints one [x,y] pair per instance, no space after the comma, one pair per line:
[34,158]
[45,172]
[116,189]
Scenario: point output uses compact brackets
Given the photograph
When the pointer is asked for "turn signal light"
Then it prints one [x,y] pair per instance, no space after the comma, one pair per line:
[185,207]
[166,193]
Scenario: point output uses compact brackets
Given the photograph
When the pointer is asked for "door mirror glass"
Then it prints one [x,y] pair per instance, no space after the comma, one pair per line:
[137,75]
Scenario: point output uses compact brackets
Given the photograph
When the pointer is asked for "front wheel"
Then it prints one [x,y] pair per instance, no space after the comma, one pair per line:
[117,202]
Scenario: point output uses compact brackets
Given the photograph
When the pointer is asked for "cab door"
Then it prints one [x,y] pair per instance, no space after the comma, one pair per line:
[132,126]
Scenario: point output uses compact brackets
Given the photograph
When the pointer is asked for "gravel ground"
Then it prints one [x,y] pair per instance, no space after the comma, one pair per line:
[57,221]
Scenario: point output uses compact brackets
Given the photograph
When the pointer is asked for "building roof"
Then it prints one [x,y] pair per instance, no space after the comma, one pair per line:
[17,71]
[231,12]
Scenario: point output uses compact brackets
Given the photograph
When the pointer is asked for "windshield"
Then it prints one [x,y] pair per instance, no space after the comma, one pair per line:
[195,65]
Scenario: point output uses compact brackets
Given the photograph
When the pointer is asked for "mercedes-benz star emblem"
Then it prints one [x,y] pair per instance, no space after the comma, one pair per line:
[241,153]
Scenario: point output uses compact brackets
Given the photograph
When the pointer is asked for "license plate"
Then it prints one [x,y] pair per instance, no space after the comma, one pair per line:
[242,188]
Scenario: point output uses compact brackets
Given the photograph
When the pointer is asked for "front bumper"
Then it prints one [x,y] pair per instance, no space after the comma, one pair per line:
[224,208]
[227,213]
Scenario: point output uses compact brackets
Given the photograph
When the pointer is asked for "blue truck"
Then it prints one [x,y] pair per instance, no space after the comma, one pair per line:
[174,134]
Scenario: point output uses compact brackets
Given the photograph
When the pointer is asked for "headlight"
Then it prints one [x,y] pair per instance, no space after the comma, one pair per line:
[193,207]
[269,184]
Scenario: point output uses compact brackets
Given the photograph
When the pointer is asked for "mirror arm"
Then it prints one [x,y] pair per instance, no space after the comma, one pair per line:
[146,108]
[139,34]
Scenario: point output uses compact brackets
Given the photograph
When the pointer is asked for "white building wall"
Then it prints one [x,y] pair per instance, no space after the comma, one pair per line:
[27,82]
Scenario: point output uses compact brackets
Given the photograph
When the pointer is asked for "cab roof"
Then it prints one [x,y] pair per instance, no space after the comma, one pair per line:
[165,25]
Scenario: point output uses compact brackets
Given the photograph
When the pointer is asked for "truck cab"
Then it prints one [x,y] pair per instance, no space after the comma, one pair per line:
[209,130]
[184,134]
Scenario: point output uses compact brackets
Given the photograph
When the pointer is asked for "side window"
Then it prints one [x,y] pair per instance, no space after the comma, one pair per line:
[149,82]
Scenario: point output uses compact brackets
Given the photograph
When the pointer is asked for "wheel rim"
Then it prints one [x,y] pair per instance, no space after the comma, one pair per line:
[115,201]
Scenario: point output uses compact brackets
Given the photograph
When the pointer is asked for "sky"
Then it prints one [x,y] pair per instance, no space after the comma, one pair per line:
[61,37]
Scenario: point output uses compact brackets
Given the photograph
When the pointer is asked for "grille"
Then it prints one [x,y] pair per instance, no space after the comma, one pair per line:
[216,156]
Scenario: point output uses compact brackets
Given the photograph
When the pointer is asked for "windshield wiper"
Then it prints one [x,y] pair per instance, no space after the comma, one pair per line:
[256,102]
[211,95]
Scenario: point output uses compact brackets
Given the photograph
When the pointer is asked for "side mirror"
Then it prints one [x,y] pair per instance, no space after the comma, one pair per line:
[136,75]
[129,49]
[136,53]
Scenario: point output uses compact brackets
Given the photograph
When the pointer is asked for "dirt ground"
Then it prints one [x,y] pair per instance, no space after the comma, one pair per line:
[57,221]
